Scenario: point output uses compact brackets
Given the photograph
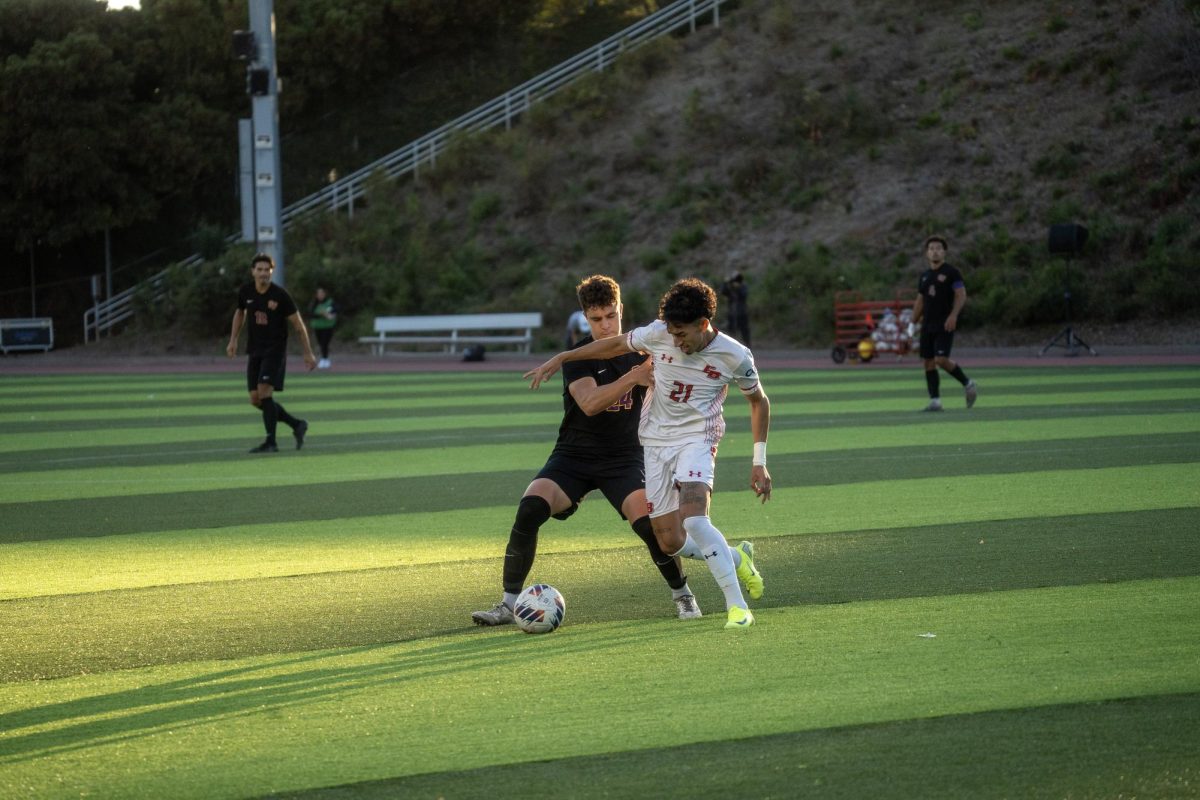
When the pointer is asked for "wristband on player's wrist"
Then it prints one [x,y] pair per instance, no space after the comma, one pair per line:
[760,454]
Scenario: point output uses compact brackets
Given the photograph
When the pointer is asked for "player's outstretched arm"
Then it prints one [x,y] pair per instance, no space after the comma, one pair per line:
[545,371]
[609,347]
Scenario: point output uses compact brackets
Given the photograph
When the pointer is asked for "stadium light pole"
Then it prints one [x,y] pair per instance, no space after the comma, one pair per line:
[257,46]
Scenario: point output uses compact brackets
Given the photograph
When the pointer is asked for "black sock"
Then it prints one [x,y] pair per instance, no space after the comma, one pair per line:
[532,513]
[933,382]
[284,416]
[666,564]
[959,375]
[270,415]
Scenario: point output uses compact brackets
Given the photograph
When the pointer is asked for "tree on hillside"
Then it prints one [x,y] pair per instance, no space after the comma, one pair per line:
[103,123]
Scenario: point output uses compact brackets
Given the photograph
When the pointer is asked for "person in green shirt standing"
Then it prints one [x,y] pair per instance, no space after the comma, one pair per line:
[324,320]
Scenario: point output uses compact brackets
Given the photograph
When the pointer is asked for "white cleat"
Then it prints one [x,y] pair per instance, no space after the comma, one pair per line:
[498,614]
[687,607]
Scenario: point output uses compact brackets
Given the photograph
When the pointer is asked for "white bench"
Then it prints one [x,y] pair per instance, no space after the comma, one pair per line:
[455,330]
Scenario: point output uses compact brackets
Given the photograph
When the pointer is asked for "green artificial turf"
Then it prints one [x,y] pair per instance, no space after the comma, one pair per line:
[452,702]
[995,603]
[1138,747]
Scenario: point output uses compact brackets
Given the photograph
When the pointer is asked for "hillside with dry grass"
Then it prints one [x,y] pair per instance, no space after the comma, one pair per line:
[812,146]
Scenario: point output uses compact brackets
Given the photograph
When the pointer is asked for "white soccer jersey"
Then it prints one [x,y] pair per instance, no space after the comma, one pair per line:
[689,390]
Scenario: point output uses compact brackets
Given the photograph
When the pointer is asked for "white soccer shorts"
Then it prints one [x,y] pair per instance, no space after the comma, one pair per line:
[669,466]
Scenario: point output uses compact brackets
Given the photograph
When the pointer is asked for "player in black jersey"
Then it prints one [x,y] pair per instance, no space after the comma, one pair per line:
[597,448]
[941,295]
[269,309]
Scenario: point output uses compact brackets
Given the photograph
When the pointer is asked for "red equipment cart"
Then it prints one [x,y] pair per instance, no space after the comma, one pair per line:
[862,329]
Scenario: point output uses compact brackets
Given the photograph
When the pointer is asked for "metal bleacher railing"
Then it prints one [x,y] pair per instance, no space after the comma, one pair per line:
[503,110]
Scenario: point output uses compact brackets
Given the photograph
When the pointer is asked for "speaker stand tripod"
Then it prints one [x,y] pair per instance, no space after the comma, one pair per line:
[1066,337]
[1071,342]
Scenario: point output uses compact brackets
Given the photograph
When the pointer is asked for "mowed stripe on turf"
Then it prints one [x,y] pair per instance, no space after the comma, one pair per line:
[255,542]
[549,400]
[457,455]
[182,400]
[424,594]
[1175,483]
[449,703]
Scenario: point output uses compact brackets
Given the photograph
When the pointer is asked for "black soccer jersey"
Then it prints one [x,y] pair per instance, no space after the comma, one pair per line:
[936,289]
[611,432]
[266,318]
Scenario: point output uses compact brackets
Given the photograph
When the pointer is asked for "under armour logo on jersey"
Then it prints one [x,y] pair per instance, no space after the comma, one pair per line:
[666,358]
[695,473]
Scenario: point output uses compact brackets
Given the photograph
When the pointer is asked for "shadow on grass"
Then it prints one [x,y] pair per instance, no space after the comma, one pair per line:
[273,684]
[1137,747]
[58,636]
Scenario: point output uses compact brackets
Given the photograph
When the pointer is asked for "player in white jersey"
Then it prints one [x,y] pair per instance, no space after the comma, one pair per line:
[682,425]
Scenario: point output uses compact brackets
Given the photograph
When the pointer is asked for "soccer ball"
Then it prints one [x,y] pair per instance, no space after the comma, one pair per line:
[539,609]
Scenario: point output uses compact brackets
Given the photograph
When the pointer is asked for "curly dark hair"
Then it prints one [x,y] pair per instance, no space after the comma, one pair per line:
[935,238]
[598,291]
[689,300]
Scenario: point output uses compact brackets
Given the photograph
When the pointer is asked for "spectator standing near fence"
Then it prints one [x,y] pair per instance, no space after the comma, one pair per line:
[736,293]
[941,295]
[268,308]
[324,319]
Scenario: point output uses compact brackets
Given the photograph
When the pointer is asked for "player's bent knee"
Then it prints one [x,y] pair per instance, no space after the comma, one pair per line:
[670,538]
[532,513]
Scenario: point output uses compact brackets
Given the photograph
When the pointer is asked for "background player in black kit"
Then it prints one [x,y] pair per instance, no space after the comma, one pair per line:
[941,295]
[597,448]
[269,308]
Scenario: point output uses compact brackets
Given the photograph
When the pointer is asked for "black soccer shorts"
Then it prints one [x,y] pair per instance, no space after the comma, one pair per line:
[266,368]
[936,343]
[616,476]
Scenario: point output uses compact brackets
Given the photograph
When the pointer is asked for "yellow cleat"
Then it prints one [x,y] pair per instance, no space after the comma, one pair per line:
[747,574]
[739,618]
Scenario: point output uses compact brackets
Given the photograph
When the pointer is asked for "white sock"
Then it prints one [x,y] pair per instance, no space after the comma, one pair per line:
[682,591]
[690,549]
[718,556]
[510,600]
